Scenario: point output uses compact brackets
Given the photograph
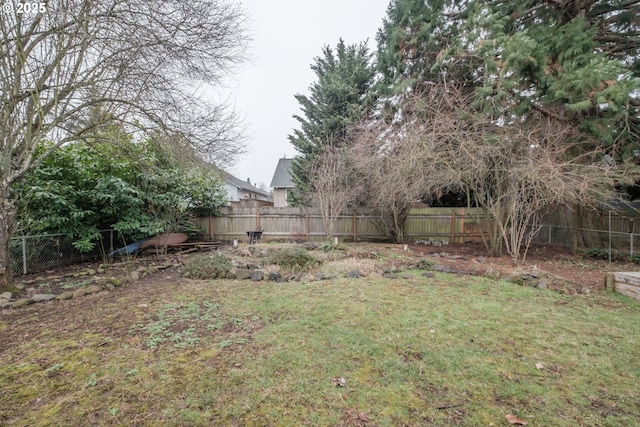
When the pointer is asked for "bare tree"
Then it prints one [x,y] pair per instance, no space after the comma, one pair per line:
[515,171]
[147,64]
[333,186]
[392,176]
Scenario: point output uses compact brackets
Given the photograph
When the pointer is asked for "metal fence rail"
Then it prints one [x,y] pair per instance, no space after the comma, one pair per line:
[613,243]
[34,254]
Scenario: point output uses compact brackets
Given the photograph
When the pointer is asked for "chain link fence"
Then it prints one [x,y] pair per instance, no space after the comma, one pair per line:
[34,254]
[597,243]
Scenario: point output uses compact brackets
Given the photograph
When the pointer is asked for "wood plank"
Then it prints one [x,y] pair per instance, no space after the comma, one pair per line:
[631,278]
[628,290]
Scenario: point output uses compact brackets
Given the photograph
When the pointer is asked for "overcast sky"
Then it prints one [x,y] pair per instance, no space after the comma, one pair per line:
[287,35]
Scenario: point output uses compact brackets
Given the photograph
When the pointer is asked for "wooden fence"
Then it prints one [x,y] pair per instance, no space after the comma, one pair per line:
[305,224]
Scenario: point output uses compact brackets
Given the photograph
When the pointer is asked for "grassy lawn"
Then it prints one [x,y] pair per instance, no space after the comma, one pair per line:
[448,350]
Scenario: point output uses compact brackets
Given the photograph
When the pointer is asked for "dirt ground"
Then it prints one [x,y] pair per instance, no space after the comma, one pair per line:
[581,274]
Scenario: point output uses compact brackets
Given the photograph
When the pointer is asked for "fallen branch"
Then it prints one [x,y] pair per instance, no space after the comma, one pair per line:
[453,405]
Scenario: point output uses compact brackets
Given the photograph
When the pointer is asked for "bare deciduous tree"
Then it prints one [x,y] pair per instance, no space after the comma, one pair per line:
[144,63]
[392,176]
[516,171]
[333,186]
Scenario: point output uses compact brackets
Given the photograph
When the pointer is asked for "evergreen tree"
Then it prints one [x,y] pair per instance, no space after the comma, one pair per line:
[339,98]
[414,35]
[573,61]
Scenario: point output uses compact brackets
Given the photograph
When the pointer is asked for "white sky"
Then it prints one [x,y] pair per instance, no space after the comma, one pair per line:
[287,35]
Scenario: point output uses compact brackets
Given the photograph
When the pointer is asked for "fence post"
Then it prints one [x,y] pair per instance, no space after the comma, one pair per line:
[631,239]
[24,255]
[355,226]
[453,225]
[609,236]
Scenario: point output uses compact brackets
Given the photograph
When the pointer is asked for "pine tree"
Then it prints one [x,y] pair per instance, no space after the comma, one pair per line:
[573,61]
[339,98]
[411,41]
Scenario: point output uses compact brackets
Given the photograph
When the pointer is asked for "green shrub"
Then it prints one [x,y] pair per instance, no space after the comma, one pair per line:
[425,264]
[207,267]
[294,259]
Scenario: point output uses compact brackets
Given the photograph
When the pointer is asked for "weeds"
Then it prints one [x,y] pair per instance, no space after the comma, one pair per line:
[80,284]
[177,324]
[292,259]
[207,267]
[425,264]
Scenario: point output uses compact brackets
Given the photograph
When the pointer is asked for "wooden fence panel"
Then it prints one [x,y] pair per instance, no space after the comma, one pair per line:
[299,224]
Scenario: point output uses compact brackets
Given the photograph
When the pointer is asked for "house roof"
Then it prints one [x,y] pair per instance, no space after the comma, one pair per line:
[282,175]
[243,185]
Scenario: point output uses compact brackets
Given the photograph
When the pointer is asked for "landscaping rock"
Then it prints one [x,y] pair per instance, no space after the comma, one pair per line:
[407,276]
[93,289]
[257,275]
[6,295]
[21,286]
[231,274]
[65,295]
[5,303]
[110,287]
[22,303]
[243,274]
[542,285]
[428,274]
[42,297]
[390,276]
[355,274]
[442,269]
[481,259]
[275,276]
[79,292]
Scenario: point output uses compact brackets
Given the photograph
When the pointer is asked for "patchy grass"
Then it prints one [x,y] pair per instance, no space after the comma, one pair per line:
[447,350]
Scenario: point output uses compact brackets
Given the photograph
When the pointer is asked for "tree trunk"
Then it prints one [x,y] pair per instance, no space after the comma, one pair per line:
[7,222]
